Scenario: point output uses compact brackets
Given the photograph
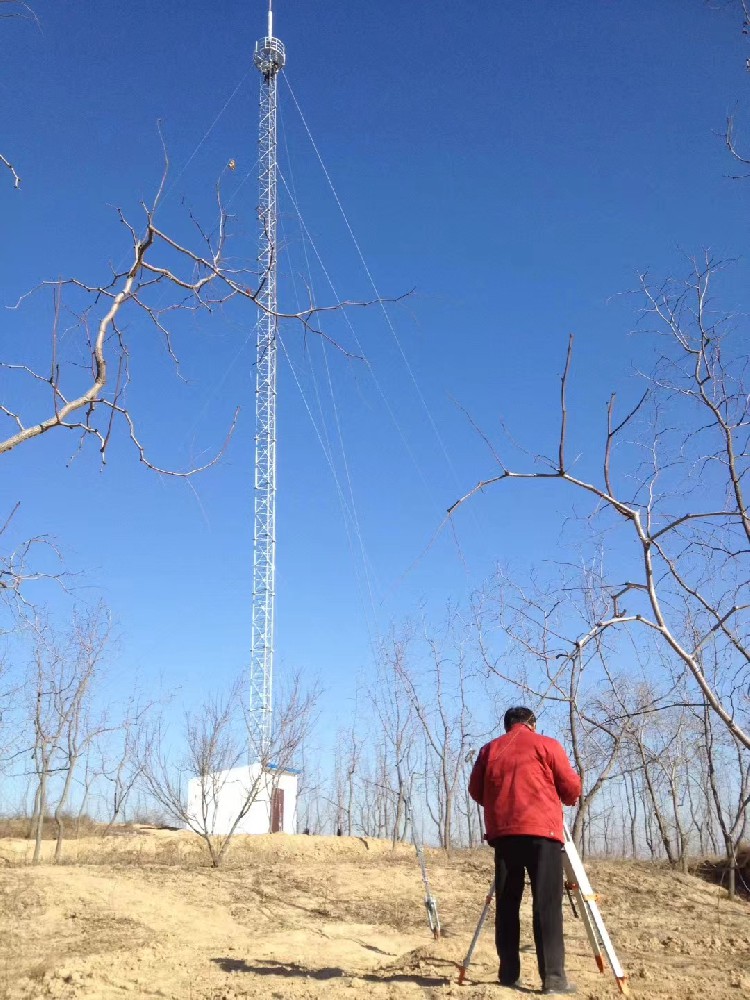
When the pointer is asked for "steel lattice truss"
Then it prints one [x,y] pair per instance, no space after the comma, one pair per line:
[269,58]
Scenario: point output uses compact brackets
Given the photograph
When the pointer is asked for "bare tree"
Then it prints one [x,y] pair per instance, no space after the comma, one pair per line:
[82,385]
[597,734]
[657,746]
[685,519]
[439,697]
[218,739]
[398,728]
[200,280]
[573,685]
[64,727]
[348,759]
[311,800]
[120,765]
[729,781]
[23,564]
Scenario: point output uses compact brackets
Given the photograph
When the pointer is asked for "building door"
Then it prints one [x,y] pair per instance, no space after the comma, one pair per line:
[277,811]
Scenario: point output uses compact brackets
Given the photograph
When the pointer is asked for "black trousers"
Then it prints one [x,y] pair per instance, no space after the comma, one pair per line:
[542,859]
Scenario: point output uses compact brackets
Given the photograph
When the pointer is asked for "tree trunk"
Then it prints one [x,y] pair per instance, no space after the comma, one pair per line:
[399,813]
[657,813]
[579,823]
[447,831]
[35,813]
[681,837]
[732,868]
[42,791]
[633,811]
[59,809]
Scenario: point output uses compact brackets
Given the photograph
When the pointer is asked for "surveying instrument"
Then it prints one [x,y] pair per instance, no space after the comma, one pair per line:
[583,901]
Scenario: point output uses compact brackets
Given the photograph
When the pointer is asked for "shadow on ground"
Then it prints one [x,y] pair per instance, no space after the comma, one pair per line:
[291,971]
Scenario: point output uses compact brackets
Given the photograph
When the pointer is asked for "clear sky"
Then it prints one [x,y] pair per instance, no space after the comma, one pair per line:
[517,164]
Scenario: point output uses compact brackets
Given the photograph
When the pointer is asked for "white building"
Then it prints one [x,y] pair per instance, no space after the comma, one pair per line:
[221,796]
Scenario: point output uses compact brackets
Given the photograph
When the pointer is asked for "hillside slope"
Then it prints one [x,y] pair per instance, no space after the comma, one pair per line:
[307,918]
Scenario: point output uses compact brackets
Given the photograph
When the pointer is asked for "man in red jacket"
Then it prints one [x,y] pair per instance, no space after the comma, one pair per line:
[521,779]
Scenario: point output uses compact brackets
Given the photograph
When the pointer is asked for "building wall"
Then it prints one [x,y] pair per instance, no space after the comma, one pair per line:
[225,791]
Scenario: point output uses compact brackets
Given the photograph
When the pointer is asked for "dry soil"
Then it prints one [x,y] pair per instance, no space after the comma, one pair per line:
[308,918]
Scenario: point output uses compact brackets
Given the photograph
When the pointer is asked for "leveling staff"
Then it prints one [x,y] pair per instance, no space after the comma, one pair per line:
[521,779]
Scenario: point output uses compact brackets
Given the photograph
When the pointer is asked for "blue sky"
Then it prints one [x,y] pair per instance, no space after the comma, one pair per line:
[517,164]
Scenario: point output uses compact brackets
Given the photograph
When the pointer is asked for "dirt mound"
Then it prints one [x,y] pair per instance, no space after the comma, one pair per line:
[716,870]
[314,918]
[143,844]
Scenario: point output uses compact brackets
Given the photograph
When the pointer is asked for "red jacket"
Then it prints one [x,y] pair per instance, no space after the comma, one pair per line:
[520,779]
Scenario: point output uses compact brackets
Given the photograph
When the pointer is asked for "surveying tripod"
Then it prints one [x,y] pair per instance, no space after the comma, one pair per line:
[579,892]
[429,900]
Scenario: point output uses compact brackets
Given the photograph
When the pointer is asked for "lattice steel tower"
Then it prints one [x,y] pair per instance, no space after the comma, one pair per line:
[269,58]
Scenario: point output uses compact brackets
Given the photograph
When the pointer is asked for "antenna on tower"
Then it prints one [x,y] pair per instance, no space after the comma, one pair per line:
[269,58]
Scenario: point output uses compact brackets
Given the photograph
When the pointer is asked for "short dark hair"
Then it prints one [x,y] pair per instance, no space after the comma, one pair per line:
[518,714]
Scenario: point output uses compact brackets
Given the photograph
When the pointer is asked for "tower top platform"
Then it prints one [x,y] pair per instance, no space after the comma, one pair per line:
[270,55]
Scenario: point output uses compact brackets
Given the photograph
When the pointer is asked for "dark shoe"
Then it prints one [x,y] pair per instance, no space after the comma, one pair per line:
[559,987]
[514,984]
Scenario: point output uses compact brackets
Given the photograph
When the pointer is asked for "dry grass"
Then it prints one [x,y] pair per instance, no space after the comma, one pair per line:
[20,827]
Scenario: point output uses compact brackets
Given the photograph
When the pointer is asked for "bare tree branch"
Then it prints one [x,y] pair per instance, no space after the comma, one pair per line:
[201,280]
[6,162]
[691,557]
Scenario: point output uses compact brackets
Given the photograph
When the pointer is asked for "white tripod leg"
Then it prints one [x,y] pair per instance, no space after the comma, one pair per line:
[429,900]
[578,883]
[572,886]
[467,961]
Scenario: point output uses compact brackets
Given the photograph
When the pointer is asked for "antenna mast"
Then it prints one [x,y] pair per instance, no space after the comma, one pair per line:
[269,58]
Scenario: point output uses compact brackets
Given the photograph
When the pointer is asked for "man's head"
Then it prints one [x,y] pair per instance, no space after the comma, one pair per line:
[519,714]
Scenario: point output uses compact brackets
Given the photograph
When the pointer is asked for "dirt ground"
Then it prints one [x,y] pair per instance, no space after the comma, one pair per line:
[308,918]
